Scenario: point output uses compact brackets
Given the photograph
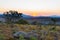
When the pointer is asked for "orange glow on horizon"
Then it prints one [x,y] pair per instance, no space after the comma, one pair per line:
[35,12]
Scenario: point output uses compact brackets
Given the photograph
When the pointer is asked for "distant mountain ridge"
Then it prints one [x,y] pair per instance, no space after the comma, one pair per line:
[29,17]
[26,16]
[54,16]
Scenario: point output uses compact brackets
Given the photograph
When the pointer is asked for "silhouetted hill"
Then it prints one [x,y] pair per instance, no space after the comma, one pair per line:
[36,17]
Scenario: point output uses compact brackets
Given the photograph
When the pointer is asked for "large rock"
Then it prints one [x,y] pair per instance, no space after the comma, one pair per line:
[17,34]
[26,35]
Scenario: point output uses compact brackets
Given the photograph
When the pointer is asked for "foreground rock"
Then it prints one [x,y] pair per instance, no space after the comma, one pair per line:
[26,35]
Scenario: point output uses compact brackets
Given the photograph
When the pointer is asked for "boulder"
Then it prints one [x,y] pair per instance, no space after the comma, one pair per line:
[26,35]
[17,34]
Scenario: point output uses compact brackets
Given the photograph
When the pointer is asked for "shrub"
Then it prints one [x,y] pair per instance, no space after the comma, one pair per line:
[21,37]
[33,38]
[22,22]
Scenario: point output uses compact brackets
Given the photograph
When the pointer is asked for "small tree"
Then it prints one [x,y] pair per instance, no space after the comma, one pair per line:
[12,16]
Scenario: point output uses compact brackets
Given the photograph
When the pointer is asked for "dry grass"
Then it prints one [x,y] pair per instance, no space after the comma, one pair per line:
[45,32]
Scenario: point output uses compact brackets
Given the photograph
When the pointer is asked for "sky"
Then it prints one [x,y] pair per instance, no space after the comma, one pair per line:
[32,7]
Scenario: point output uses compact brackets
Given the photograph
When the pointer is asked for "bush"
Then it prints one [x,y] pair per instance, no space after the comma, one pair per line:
[33,38]
[22,22]
[21,37]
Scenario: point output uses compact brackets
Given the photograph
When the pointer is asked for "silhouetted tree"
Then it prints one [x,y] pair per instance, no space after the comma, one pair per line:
[12,16]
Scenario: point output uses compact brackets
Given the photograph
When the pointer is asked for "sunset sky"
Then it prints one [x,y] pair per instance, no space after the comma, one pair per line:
[32,7]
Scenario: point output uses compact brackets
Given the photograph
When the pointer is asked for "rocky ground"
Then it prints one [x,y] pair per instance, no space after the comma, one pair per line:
[41,32]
